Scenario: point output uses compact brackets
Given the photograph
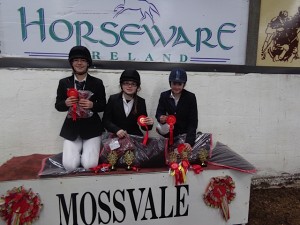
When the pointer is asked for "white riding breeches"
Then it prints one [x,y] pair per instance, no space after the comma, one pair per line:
[84,152]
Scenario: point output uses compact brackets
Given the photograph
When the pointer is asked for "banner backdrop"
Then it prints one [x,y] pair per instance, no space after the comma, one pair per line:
[193,31]
[279,33]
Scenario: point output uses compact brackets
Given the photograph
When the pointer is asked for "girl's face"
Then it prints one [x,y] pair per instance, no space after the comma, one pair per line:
[176,87]
[80,66]
[129,87]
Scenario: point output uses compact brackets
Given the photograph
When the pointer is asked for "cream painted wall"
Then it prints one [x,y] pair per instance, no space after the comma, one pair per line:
[257,115]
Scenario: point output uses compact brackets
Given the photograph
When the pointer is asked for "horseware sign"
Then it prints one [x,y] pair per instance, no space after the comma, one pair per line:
[194,31]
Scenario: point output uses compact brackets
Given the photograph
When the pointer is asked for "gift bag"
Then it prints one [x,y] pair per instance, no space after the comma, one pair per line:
[110,142]
[144,156]
[81,112]
[147,156]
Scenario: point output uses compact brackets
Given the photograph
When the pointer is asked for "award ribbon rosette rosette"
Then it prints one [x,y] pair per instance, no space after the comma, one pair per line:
[20,206]
[179,170]
[171,120]
[142,123]
[219,193]
[72,92]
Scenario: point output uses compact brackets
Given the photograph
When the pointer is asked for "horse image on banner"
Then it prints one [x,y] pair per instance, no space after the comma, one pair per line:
[145,7]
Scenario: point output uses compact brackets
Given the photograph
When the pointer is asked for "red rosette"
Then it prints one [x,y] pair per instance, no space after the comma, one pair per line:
[175,170]
[72,92]
[141,122]
[174,166]
[171,120]
[180,148]
[219,193]
[20,206]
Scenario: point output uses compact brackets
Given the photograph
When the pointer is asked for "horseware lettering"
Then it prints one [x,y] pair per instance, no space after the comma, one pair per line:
[129,34]
[115,206]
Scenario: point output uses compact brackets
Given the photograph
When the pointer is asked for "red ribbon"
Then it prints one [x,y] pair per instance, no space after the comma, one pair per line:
[101,167]
[175,169]
[135,168]
[177,173]
[185,164]
[141,122]
[72,92]
[171,120]
[197,168]
[180,148]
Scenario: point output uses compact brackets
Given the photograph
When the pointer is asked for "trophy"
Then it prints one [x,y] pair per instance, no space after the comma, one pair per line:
[172,157]
[128,157]
[184,155]
[112,159]
[183,152]
[203,154]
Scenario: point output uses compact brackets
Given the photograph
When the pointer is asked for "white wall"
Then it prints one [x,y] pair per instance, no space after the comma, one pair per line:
[254,114]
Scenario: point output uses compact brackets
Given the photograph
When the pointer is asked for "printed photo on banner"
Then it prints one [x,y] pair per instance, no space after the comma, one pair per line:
[278,38]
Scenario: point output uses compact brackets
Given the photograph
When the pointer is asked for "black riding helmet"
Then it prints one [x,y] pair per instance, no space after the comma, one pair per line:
[80,52]
[178,75]
[130,75]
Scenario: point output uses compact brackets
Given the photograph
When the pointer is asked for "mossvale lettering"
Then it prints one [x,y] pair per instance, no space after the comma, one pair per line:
[121,205]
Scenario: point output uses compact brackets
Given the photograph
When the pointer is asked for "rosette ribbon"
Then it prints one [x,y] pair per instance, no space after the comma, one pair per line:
[219,193]
[184,164]
[141,122]
[20,206]
[178,171]
[72,92]
[171,120]
[175,172]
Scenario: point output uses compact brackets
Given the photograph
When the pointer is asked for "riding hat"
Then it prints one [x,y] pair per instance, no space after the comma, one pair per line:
[178,75]
[80,52]
[130,75]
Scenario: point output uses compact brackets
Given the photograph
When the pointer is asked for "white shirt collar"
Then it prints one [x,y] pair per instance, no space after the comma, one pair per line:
[176,100]
[84,79]
[127,105]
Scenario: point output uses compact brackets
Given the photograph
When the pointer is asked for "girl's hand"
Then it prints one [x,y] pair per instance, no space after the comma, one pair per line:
[148,121]
[86,104]
[163,119]
[188,146]
[121,133]
[71,101]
